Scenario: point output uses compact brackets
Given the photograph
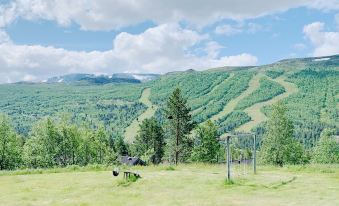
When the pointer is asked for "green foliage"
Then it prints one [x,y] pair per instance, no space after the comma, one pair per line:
[10,145]
[327,149]
[115,105]
[231,121]
[279,147]
[120,146]
[274,73]
[214,102]
[150,141]
[267,90]
[316,99]
[60,144]
[193,84]
[170,168]
[314,106]
[180,125]
[100,114]
[128,181]
[206,146]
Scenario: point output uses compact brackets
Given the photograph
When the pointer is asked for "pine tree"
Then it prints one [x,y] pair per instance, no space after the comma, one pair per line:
[120,147]
[180,125]
[279,146]
[207,145]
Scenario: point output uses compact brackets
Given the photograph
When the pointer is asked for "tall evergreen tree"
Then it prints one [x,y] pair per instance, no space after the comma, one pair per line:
[279,146]
[150,140]
[180,125]
[10,145]
[120,147]
[206,147]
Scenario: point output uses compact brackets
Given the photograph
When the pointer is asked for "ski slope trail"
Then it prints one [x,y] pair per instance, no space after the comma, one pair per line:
[229,107]
[211,92]
[254,111]
[131,130]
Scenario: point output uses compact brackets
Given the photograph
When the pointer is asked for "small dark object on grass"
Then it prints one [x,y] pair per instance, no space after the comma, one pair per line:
[115,173]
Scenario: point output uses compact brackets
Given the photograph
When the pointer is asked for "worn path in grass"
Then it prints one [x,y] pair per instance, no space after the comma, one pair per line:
[132,129]
[229,107]
[186,185]
[254,111]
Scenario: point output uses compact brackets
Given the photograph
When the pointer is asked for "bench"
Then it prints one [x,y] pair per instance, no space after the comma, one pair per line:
[128,174]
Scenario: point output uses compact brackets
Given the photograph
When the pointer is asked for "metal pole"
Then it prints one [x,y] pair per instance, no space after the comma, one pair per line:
[254,154]
[228,158]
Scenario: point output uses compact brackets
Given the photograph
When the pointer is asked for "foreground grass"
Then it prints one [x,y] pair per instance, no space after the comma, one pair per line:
[182,185]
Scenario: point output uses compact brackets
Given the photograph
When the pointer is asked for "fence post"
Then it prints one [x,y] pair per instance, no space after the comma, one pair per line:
[254,154]
[228,158]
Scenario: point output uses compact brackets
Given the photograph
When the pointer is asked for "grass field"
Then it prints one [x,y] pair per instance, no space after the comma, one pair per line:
[182,185]
[132,129]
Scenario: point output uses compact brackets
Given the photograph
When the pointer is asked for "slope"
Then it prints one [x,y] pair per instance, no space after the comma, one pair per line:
[252,86]
[132,129]
[257,116]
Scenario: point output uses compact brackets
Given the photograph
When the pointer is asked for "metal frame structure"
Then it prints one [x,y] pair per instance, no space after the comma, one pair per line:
[227,138]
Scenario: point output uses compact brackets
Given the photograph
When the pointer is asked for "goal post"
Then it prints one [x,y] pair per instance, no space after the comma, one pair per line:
[242,149]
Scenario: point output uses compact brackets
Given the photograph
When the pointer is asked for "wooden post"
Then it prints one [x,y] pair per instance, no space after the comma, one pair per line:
[254,154]
[228,158]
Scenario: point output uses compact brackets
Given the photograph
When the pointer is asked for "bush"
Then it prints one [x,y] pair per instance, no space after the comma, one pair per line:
[327,149]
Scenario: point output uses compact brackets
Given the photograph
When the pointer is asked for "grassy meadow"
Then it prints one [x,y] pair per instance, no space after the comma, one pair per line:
[194,184]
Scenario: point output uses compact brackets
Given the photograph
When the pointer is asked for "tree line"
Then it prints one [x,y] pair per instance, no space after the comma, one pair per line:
[59,142]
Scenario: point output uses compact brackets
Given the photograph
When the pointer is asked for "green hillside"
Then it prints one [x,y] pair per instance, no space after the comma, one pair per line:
[235,98]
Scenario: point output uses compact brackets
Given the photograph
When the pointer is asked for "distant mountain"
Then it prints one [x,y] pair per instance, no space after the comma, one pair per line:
[102,79]
[235,98]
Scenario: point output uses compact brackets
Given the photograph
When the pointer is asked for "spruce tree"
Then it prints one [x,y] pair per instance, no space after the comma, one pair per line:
[150,141]
[180,125]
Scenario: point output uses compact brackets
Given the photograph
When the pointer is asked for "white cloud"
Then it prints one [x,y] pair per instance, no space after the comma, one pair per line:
[243,59]
[325,43]
[7,14]
[108,14]
[227,29]
[160,49]
[326,5]
[253,27]
[4,38]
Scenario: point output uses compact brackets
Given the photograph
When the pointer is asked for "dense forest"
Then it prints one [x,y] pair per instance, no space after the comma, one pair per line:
[112,107]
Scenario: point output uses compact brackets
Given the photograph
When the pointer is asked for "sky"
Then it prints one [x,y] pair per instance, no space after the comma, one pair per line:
[44,38]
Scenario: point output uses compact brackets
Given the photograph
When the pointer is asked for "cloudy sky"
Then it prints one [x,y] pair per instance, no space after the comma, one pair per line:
[44,38]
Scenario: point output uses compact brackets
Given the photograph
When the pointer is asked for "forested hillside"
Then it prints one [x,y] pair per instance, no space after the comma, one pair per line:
[235,98]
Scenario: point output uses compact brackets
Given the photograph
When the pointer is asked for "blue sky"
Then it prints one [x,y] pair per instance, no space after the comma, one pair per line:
[40,39]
